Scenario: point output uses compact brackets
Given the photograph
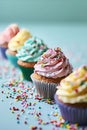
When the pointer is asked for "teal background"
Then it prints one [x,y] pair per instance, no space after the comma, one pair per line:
[60,23]
[43,10]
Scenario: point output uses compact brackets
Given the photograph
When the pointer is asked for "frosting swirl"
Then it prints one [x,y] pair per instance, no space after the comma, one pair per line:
[53,64]
[8,33]
[18,41]
[32,50]
[73,89]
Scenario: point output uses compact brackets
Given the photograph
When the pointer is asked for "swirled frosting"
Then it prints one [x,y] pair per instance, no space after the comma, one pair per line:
[18,41]
[73,89]
[8,33]
[32,50]
[53,64]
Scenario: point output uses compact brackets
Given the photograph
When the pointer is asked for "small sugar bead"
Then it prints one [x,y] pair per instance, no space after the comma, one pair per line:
[25,122]
[68,126]
[18,122]
[60,118]
[39,107]
[33,127]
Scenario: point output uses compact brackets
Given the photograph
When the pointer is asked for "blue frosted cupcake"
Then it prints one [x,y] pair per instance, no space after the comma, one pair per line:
[71,97]
[29,54]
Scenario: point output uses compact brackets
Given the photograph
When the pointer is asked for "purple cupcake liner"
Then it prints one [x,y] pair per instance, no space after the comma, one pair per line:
[45,89]
[72,114]
[3,50]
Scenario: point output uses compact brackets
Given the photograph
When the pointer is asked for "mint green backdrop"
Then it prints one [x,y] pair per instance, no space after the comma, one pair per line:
[59,23]
[43,10]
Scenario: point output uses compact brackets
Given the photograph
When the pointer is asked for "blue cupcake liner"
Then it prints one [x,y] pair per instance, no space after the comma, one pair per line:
[72,114]
[44,89]
[3,50]
[13,59]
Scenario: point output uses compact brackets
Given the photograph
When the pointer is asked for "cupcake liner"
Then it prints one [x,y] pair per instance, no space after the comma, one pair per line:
[26,72]
[72,114]
[45,89]
[2,49]
[13,59]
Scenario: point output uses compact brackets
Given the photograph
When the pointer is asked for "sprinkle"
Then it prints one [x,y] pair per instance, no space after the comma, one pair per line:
[17,118]
[25,122]
[33,127]
[68,126]
[23,111]
[60,118]
[82,83]
[38,98]
[55,114]
[76,90]
[18,122]
[39,107]
[42,65]
[24,93]
[2,92]
[15,109]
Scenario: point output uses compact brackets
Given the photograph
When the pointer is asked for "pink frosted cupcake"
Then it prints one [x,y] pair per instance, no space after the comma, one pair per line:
[49,71]
[6,36]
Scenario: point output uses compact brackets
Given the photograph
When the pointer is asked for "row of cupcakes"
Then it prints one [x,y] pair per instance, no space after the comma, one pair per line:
[24,51]
[50,69]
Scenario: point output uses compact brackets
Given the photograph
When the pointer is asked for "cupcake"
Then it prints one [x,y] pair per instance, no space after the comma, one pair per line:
[29,54]
[71,97]
[6,36]
[49,71]
[15,44]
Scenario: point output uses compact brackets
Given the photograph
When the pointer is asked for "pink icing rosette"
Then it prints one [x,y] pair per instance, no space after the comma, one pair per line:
[53,64]
[8,33]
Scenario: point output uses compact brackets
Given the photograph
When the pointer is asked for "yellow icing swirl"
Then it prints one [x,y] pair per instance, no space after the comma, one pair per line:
[73,89]
[18,41]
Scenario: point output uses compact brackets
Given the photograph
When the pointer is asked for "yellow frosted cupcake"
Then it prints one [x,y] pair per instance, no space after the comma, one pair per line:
[15,44]
[71,97]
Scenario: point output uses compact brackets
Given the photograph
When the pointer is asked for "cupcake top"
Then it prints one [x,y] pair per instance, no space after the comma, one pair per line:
[18,41]
[8,33]
[53,64]
[73,89]
[32,50]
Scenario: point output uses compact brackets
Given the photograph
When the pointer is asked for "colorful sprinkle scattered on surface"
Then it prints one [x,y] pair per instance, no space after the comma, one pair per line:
[26,105]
